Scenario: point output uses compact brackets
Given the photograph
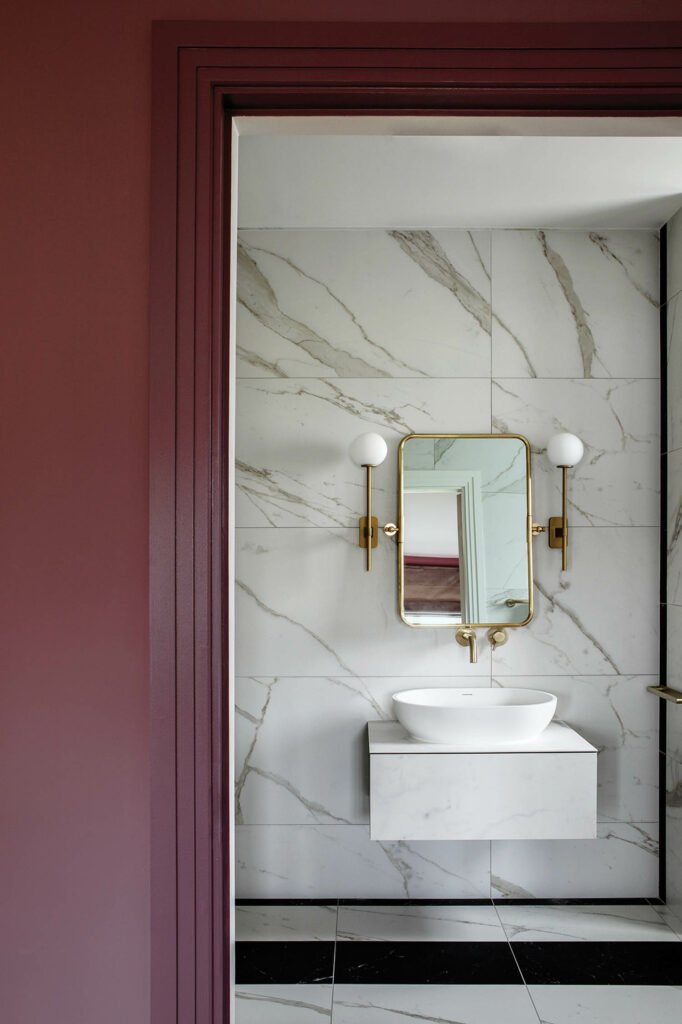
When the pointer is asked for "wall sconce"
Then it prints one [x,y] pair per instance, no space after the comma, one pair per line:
[368,451]
[564,451]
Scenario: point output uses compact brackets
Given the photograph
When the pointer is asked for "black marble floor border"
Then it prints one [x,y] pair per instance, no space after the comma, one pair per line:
[459,963]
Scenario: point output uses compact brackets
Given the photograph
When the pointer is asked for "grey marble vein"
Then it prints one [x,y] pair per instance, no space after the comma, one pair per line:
[601,241]
[410,1014]
[501,885]
[256,295]
[246,766]
[346,309]
[532,372]
[262,488]
[423,248]
[585,338]
[299,1004]
[554,602]
[299,625]
[647,843]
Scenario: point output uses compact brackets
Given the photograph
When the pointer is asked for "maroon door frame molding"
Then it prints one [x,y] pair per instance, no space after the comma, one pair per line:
[203,74]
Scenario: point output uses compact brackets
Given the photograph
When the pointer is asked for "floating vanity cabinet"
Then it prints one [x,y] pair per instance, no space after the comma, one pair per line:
[545,789]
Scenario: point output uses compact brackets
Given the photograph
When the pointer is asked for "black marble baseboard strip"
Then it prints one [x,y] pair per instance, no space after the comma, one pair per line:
[425,963]
[415,903]
[599,963]
[630,901]
[624,901]
[284,963]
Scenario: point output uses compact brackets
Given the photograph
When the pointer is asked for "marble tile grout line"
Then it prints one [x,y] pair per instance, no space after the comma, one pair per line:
[518,966]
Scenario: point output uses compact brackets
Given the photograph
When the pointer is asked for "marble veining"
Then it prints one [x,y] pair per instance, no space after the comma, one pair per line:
[306,310]
[283,1004]
[398,331]
[574,304]
[432,1004]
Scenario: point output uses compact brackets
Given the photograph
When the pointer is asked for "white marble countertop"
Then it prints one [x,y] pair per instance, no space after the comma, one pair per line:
[391,738]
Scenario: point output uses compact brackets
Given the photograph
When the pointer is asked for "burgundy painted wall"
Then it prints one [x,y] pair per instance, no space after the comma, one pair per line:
[74,795]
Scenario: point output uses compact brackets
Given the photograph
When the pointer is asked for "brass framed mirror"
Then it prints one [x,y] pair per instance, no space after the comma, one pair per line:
[465,530]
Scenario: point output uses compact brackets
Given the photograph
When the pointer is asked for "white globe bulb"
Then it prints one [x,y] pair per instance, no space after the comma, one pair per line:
[368,450]
[565,450]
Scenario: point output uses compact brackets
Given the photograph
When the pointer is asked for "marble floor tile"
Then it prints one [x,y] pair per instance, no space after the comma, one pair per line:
[586,621]
[575,304]
[617,482]
[599,963]
[363,303]
[284,963]
[319,861]
[283,1004]
[432,1004]
[419,923]
[425,963]
[285,923]
[621,863]
[604,923]
[306,606]
[672,917]
[619,717]
[292,462]
[607,1004]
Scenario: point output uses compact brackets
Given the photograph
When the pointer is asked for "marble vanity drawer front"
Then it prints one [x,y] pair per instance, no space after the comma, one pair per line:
[483,796]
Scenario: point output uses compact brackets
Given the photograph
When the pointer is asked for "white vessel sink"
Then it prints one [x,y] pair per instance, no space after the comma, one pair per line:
[474,717]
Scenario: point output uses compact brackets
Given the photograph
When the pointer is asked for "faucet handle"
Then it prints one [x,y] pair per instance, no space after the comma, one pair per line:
[466,637]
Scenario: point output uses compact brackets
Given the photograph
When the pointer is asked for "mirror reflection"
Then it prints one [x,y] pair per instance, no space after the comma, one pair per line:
[465,552]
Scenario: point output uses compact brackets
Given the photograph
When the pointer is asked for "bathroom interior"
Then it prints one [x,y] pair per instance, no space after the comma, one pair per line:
[457,355]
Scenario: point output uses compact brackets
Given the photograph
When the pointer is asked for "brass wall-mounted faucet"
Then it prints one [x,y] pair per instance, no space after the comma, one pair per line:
[466,637]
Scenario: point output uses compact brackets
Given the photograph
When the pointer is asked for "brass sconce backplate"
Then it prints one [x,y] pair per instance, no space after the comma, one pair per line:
[364,532]
[556,532]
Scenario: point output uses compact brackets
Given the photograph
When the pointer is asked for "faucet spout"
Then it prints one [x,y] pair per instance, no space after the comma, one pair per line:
[466,637]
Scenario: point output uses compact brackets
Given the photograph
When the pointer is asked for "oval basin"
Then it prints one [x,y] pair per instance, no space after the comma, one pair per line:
[475,716]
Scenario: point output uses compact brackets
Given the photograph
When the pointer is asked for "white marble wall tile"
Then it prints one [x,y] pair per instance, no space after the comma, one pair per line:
[293,467]
[674,539]
[301,744]
[674,713]
[674,317]
[674,244]
[433,1004]
[599,1004]
[617,482]
[619,717]
[599,618]
[575,304]
[621,862]
[312,861]
[673,844]
[306,606]
[283,1004]
[363,303]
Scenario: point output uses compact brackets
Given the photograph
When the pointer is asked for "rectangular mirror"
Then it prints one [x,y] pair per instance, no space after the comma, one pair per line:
[465,530]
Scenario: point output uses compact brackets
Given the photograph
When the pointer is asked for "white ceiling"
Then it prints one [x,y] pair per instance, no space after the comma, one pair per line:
[406,172]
